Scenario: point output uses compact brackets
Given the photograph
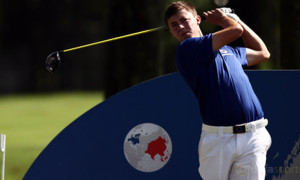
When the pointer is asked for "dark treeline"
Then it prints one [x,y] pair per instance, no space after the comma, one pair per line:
[31,30]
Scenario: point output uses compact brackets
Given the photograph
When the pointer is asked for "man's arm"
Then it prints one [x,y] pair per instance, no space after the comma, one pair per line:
[231,31]
[256,49]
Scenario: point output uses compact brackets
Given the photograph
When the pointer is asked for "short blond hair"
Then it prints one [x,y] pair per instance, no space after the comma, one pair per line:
[177,6]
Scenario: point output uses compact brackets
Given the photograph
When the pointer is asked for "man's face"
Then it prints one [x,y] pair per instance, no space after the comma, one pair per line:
[184,25]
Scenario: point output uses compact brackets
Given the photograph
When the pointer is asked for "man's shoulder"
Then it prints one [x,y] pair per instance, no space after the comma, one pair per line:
[195,43]
[196,39]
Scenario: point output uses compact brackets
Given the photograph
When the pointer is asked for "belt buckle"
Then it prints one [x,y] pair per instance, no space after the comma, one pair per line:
[239,129]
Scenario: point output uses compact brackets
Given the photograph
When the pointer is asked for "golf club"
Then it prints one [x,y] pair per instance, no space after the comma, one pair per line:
[53,61]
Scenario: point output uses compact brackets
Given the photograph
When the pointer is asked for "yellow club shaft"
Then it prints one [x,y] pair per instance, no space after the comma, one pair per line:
[116,38]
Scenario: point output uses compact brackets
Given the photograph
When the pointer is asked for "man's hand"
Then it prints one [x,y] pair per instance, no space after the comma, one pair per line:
[230,13]
[218,17]
[222,17]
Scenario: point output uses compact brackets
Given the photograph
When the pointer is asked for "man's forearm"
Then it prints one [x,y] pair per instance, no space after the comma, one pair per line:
[256,49]
[230,32]
[251,39]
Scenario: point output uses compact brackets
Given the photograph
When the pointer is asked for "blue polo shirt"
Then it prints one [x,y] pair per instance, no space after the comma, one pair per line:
[223,90]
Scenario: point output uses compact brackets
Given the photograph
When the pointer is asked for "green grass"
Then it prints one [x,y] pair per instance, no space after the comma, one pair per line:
[30,122]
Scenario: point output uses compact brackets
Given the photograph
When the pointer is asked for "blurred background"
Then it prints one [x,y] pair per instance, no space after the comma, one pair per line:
[32,29]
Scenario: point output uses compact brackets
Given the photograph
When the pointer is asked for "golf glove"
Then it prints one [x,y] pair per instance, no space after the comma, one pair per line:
[230,13]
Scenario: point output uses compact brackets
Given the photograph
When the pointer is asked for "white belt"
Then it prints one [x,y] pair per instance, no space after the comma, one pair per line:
[238,129]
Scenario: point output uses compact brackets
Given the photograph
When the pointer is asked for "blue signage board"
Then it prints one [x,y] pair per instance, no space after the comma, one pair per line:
[151,131]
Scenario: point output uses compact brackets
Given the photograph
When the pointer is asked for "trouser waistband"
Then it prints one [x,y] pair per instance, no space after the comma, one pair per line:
[238,129]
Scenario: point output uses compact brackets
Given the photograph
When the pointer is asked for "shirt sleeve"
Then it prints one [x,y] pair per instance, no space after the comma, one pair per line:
[240,53]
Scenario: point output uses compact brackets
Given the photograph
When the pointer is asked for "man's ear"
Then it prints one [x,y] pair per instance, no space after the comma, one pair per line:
[198,18]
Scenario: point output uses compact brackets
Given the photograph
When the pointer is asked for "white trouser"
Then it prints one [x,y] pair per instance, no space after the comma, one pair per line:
[230,156]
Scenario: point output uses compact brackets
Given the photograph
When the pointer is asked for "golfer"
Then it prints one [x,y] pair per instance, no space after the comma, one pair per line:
[234,140]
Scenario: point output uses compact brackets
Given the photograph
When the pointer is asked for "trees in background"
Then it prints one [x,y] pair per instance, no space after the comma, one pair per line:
[30,30]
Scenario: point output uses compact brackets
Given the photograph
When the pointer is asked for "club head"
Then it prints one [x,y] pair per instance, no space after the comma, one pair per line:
[53,61]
